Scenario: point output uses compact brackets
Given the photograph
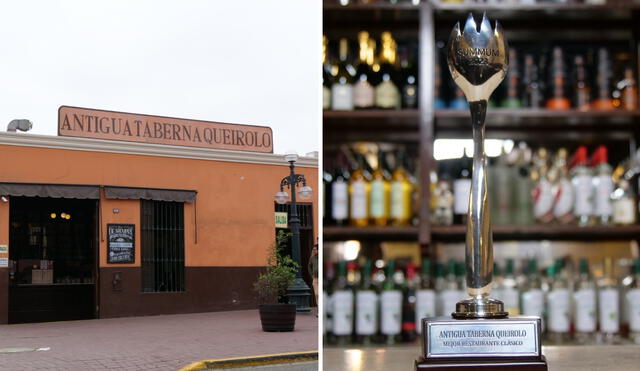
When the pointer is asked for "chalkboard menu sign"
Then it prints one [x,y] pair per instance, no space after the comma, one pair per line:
[121,243]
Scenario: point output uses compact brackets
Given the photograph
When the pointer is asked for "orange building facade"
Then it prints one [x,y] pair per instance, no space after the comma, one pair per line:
[202,222]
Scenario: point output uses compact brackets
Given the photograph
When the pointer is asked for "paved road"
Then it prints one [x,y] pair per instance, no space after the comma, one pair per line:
[148,343]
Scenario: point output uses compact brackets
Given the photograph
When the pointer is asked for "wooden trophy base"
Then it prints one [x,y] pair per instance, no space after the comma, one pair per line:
[483,364]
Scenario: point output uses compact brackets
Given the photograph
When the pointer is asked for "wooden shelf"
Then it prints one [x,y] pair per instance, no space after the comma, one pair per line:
[457,233]
[371,125]
[389,233]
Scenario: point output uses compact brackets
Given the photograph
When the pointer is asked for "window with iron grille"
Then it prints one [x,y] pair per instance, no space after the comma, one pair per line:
[162,240]
[305,213]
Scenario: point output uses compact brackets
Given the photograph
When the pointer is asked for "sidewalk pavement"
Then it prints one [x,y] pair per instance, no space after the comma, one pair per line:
[167,342]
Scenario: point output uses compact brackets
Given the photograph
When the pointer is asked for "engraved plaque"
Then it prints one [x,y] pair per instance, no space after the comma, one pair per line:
[516,336]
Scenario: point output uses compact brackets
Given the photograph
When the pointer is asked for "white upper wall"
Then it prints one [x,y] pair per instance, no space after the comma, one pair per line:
[247,62]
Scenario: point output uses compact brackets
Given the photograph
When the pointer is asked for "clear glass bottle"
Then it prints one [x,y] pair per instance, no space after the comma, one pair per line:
[363,90]
[359,189]
[391,307]
[450,294]
[608,304]
[379,193]
[532,297]
[542,192]
[367,301]
[342,84]
[340,192]
[584,299]
[562,189]
[558,307]
[387,92]
[425,296]
[632,301]
[461,190]
[510,293]
[581,178]
[343,306]
[602,186]
[623,203]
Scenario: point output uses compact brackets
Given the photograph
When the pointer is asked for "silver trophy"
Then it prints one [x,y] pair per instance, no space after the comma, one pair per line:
[478,61]
[481,335]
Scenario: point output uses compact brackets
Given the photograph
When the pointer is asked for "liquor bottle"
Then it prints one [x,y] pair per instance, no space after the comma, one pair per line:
[532,92]
[542,192]
[584,299]
[450,294]
[629,90]
[409,86]
[359,188]
[461,190]
[379,193]
[496,289]
[425,296]
[532,295]
[363,91]
[327,300]
[366,307]
[343,306]
[409,288]
[387,92]
[461,281]
[510,293]
[558,98]
[581,179]
[563,197]
[513,80]
[632,302]
[558,306]
[501,188]
[522,186]
[342,84]
[340,192]
[326,76]
[582,90]
[327,179]
[401,192]
[391,307]
[438,102]
[443,202]
[602,186]
[608,305]
[603,100]
[623,202]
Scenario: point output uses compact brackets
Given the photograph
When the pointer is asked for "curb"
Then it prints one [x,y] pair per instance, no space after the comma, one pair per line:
[253,361]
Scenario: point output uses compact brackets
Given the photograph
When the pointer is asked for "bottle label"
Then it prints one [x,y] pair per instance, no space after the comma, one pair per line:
[533,303]
[624,211]
[582,189]
[425,306]
[633,309]
[511,300]
[461,189]
[342,97]
[343,312]
[387,95]
[391,312]
[366,312]
[326,97]
[542,200]
[398,201]
[603,189]
[340,199]
[448,300]
[359,200]
[363,94]
[328,312]
[559,310]
[377,199]
[609,311]
[563,199]
[585,306]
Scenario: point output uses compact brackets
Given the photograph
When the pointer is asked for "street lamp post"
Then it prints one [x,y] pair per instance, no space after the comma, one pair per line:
[299,292]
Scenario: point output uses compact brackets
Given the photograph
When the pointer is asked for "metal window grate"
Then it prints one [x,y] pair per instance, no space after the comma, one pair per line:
[162,227]
[305,213]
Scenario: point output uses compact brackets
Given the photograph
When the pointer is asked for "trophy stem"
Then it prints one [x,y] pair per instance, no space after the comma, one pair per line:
[479,246]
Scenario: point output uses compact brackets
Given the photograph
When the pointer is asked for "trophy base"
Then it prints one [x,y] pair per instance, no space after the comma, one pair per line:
[483,364]
[474,308]
[481,344]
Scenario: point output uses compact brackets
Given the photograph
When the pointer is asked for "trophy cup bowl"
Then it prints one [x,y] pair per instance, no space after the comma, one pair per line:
[480,335]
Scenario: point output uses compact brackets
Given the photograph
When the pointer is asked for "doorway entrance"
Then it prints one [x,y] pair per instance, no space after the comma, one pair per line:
[53,259]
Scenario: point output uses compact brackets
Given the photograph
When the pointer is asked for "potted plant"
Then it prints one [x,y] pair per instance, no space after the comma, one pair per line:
[276,314]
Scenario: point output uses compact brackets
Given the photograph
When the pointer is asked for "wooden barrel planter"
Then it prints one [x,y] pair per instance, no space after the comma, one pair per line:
[277,317]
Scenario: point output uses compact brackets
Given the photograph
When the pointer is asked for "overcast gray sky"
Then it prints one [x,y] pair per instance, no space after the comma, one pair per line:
[247,62]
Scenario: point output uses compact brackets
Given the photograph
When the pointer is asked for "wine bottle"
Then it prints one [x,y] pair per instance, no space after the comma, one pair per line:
[632,301]
[602,186]
[326,76]
[513,79]
[327,180]
[450,294]
[380,193]
[501,188]
[391,307]
[532,91]
[366,307]
[342,307]
[510,293]
[340,192]
[582,90]
[359,188]
[363,91]
[461,190]
[584,299]
[409,288]
[401,191]
[342,84]
[327,300]
[425,296]
[387,92]
[409,85]
[532,299]
[438,101]
[559,302]
[608,305]
[558,98]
